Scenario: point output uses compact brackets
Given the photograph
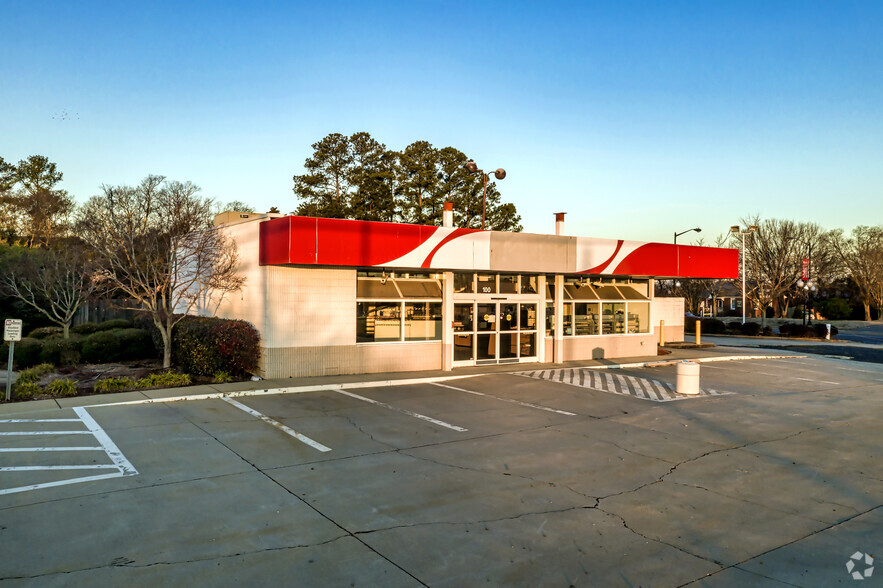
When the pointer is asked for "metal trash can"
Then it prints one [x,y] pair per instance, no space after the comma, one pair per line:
[688,377]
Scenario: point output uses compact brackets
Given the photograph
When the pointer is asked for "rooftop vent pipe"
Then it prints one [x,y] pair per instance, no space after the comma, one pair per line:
[559,222]
[448,215]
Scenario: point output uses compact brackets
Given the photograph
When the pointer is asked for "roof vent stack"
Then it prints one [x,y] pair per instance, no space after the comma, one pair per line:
[448,215]
[559,223]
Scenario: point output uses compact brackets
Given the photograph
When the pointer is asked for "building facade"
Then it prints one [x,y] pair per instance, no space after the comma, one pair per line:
[332,296]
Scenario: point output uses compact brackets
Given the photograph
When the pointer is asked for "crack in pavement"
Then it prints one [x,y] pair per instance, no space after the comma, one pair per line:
[124,562]
[807,536]
[478,522]
[313,508]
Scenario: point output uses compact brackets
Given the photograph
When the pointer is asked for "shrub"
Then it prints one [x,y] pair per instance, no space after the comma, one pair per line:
[767,331]
[61,388]
[164,380]
[222,377]
[26,390]
[108,385]
[734,326]
[749,329]
[115,324]
[61,351]
[834,309]
[85,329]
[117,345]
[101,347]
[794,330]
[35,373]
[135,344]
[713,326]
[46,332]
[27,352]
[206,346]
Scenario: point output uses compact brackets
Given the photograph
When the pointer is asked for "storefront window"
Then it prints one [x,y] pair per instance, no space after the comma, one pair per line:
[508,345]
[463,320]
[508,284]
[529,284]
[487,317]
[423,321]
[613,318]
[378,321]
[567,319]
[527,342]
[585,318]
[508,317]
[550,319]
[528,315]
[487,284]
[464,283]
[639,317]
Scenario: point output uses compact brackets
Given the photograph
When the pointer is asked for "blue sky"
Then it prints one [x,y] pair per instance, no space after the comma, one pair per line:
[637,118]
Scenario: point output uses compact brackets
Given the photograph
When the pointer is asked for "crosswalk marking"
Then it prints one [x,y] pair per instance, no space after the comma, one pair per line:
[604,381]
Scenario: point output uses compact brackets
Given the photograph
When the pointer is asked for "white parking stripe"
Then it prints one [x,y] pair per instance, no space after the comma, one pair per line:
[285,429]
[19,433]
[403,411]
[113,452]
[104,466]
[519,402]
[40,420]
[60,483]
[28,449]
[819,381]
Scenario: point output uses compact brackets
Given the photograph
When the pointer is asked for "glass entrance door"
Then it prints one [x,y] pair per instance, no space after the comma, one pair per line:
[494,332]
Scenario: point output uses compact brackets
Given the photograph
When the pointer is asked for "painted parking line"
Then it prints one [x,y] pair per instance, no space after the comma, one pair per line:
[604,381]
[119,463]
[817,381]
[403,411]
[510,400]
[284,428]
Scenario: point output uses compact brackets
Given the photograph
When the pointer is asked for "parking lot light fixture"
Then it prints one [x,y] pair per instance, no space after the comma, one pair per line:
[736,230]
[472,168]
[697,229]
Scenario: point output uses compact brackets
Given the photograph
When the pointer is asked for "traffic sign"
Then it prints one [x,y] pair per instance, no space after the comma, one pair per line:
[12,330]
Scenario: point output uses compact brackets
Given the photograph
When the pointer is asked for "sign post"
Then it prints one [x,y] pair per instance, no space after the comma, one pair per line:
[11,333]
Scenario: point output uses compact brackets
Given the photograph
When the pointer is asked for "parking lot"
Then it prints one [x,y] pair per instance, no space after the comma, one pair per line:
[537,475]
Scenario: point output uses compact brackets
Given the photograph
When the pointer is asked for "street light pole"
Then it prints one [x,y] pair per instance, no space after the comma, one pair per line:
[697,229]
[809,286]
[500,174]
[737,230]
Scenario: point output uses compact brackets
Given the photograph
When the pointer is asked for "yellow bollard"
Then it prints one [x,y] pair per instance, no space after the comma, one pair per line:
[698,331]
[662,333]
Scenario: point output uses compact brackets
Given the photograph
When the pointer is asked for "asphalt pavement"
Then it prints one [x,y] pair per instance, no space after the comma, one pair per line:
[584,474]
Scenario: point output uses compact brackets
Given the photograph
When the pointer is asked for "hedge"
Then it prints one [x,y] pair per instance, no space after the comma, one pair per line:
[798,330]
[89,328]
[710,326]
[206,346]
[117,345]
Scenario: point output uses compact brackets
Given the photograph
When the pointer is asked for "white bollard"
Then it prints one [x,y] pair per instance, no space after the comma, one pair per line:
[688,377]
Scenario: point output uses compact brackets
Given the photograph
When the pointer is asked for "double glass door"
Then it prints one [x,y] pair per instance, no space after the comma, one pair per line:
[494,332]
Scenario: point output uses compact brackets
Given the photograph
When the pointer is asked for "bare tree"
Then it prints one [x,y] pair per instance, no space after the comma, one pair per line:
[56,282]
[773,261]
[862,256]
[159,249]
